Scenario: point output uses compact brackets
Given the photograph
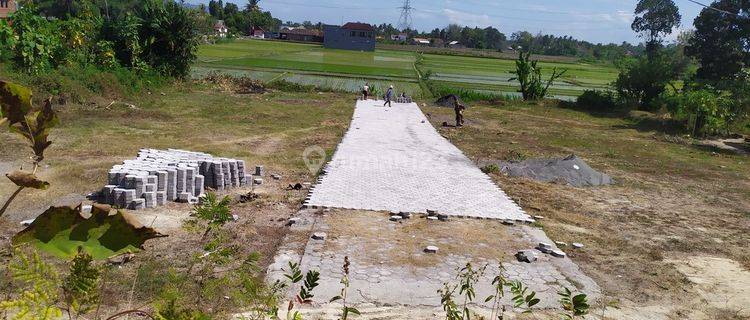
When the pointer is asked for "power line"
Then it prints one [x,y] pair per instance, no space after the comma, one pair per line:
[720,10]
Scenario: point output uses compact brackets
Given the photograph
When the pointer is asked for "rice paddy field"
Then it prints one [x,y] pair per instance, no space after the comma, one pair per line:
[348,70]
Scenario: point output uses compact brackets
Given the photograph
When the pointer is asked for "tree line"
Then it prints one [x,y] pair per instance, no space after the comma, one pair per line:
[703,80]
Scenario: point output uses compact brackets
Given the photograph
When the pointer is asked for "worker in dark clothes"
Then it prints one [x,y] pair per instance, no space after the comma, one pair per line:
[459,109]
[388,97]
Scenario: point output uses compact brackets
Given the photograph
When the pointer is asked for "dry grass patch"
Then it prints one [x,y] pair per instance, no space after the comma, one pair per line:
[402,243]
[671,199]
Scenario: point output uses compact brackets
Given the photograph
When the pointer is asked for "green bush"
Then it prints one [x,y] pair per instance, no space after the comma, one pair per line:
[704,111]
[167,32]
[597,100]
[641,81]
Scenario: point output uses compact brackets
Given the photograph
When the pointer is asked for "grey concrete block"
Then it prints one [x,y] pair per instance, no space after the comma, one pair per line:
[150,198]
[199,186]
[161,198]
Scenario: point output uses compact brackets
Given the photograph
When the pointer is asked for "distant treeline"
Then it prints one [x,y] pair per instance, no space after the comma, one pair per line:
[492,38]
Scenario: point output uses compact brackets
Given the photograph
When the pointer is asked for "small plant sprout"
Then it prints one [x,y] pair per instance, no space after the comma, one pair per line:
[345,310]
[574,305]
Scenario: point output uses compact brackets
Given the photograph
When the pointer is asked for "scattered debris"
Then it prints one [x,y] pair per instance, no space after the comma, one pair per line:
[544,247]
[572,171]
[239,85]
[577,245]
[276,177]
[561,244]
[292,221]
[432,212]
[235,217]
[557,254]
[121,259]
[296,186]
[442,217]
[396,218]
[527,256]
[405,215]
[449,101]
[431,249]
[248,197]
[432,218]
[538,217]
[319,236]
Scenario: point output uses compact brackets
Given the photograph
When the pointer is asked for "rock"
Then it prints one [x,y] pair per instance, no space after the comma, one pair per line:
[396,218]
[527,256]
[432,218]
[235,217]
[561,244]
[432,212]
[405,215]
[258,181]
[27,223]
[292,221]
[442,217]
[319,236]
[86,209]
[508,222]
[121,259]
[544,247]
[577,245]
[557,253]
[431,249]
[276,177]
[538,217]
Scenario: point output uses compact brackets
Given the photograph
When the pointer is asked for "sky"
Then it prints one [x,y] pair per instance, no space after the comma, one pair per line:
[597,21]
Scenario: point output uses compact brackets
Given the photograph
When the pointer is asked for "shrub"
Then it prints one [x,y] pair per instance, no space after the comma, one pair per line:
[491,168]
[705,111]
[642,80]
[529,75]
[597,100]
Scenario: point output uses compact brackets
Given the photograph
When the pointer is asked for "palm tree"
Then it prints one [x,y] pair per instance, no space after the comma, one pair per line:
[252,5]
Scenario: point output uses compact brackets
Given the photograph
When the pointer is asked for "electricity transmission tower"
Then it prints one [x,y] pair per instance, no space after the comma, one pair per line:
[405,21]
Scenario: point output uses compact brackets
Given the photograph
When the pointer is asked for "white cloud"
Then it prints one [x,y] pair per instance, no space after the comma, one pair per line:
[467,19]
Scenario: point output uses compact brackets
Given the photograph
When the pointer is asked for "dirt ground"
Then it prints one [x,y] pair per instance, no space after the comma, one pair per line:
[270,129]
[674,207]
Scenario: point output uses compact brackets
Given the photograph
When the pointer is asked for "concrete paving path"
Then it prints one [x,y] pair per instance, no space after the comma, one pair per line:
[392,159]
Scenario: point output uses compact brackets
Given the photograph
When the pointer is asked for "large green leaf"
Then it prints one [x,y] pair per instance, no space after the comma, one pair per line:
[15,101]
[62,230]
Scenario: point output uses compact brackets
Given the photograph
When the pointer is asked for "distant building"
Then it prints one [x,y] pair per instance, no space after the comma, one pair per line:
[301,34]
[351,36]
[456,45]
[401,37]
[258,33]
[220,29]
[420,41]
[6,8]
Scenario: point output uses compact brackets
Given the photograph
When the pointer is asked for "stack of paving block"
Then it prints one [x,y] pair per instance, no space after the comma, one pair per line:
[158,176]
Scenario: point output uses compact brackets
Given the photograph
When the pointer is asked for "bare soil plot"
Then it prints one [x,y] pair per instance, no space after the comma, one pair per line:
[673,203]
[268,129]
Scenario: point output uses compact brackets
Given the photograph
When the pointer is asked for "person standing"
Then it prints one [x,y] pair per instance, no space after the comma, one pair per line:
[459,109]
[388,97]
[366,91]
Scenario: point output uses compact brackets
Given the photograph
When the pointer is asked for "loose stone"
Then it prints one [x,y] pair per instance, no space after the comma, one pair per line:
[431,249]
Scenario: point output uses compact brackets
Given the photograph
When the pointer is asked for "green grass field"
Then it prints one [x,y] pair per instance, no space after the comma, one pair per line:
[349,70]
